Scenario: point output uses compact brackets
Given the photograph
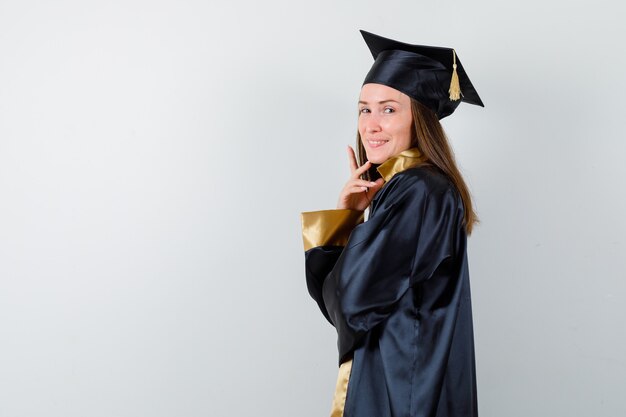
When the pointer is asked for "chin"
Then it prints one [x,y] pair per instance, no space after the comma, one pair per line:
[375,159]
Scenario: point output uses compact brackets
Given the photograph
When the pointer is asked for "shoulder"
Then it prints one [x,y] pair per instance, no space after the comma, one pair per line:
[426,177]
[424,182]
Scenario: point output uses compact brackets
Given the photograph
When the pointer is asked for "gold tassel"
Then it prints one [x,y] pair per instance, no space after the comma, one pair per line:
[455,88]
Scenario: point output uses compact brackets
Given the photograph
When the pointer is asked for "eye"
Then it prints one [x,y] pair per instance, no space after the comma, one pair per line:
[389,110]
[364,110]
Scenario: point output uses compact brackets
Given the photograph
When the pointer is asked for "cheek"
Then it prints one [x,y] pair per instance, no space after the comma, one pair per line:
[407,128]
[402,130]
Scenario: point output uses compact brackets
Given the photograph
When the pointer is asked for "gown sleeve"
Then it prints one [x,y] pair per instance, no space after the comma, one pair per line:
[325,234]
[409,234]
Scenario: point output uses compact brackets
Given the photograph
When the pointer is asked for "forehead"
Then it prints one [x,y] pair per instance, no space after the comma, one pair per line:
[372,92]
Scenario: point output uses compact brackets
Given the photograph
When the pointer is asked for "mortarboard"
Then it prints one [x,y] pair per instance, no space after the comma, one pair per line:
[431,75]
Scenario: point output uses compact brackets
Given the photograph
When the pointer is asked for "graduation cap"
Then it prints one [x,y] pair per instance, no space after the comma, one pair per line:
[431,75]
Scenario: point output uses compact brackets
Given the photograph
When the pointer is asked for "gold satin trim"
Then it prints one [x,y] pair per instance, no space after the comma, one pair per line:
[341,390]
[398,163]
[329,227]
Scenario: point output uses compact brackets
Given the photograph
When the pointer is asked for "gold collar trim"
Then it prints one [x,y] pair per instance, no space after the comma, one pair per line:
[398,163]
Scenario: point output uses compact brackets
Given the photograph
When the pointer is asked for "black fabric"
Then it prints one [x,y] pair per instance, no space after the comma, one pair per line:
[398,295]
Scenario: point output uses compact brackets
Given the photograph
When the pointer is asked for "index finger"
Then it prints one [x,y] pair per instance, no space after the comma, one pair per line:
[352,159]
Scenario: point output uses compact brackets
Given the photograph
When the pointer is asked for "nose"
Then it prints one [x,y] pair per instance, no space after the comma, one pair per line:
[372,124]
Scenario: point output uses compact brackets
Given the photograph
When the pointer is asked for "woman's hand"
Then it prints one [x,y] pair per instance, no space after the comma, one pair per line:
[358,193]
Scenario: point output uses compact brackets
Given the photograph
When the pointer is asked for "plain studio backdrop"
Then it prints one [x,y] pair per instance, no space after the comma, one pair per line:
[155,158]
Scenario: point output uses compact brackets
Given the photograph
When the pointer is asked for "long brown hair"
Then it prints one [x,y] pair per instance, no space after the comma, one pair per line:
[430,138]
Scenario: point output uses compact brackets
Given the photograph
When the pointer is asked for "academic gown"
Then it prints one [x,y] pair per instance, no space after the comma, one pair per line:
[397,290]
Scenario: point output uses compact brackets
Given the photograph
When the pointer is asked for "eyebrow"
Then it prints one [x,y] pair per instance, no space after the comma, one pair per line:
[380,102]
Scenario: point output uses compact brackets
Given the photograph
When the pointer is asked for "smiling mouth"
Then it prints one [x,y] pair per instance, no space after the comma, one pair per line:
[377,143]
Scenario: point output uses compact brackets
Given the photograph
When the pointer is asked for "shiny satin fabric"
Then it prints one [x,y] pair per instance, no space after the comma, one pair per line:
[398,163]
[328,227]
[398,295]
[341,389]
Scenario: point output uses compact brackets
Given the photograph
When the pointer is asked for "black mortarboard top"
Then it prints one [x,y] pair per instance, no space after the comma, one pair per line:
[431,75]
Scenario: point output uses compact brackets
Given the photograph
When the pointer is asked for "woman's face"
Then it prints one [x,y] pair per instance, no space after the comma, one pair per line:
[384,122]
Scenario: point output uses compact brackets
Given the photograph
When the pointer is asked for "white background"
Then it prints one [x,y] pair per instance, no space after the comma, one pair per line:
[155,157]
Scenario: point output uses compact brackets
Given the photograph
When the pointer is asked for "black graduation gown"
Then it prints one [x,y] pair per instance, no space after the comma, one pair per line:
[397,290]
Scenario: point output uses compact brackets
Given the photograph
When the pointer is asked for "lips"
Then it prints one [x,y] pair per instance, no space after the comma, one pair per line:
[376,143]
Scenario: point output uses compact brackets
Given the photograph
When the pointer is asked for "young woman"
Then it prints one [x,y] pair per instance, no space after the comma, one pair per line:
[396,287]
